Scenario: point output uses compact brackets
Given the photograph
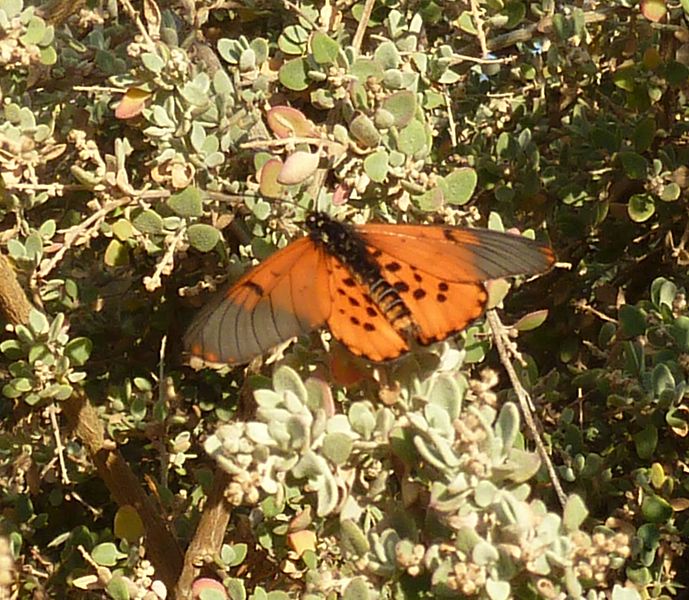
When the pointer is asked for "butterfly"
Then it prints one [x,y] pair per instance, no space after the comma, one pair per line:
[377,287]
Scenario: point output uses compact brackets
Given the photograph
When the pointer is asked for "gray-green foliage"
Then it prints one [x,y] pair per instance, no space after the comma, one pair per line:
[493,537]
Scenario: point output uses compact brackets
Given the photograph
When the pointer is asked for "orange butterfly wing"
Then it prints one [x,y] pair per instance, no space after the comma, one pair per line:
[356,321]
[281,298]
[429,286]
[439,271]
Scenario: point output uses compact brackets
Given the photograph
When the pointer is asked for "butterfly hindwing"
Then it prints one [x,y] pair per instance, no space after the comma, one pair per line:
[438,307]
[279,299]
[356,321]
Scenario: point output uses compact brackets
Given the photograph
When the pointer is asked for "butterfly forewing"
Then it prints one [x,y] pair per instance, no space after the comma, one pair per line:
[285,296]
[459,254]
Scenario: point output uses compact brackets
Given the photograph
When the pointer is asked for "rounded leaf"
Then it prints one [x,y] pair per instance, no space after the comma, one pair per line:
[337,447]
[402,105]
[323,48]
[148,221]
[459,185]
[293,74]
[132,103]
[656,509]
[364,131]
[298,167]
[106,554]
[376,166]
[412,139]
[357,589]
[203,237]
[285,121]
[78,350]
[653,10]
[646,442]
[128,524]
[268,183]
[186,203]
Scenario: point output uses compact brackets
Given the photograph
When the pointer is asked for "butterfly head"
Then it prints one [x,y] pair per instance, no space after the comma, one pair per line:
[324,230]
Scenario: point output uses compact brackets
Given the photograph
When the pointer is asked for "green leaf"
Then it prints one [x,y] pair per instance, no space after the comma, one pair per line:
[337,447]
[149,221]
[293,74]
[376,166]
[634,165]
[531,320]
[656,509]
[118,588]
[644,132]
[624,78]
[575,513]
[324,49]
[78,350]
[663,292]
[458,187]
[632,320]
[34,33]
[412,139]
[203,237]
[646,442]
[187,203]
[387,55]
[515,13]
[293,40]
[670,193]
[680,332]
[677,73]
[357,589]
[402,105]
[152,62]
[128,524]
[116,254]
[364,131]
[48,56]
[641,207]
[106,554]
[38,322]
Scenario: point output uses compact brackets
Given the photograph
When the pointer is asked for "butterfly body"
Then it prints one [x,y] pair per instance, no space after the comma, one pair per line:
[342,242]
[377,287]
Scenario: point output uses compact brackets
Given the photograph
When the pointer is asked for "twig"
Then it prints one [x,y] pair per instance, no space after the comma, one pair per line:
[59,448]
[478,22]
[134,15]
[162,386]
[498,331]
[363,24]
[290,140]
[153,282]
[74,233]
[586,307]
[457,59]
[452,126]
[297,9]
[543,27]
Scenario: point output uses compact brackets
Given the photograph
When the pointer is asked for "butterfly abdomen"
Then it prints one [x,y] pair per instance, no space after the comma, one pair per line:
[343,243]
